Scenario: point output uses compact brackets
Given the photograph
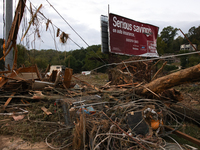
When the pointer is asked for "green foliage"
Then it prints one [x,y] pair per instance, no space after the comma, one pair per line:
[184,59]
[22,56]
[189,60]
[177,43]
[193,60]
[91,57]
[75,60]
[70,62]
[172,45]
[170,67]
[167,35]
[192,31]
[79,54]
[194,35]
[161,46]
[79,66]
[94,58]
[42,63]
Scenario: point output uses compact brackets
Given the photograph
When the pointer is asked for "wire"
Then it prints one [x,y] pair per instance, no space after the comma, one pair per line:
[44,17]
[124,131]
[67,23]
[46,140]
[74,30]
[163,57]
[137,124]
[176,142]
[142,60]
[63,31]
[69,37]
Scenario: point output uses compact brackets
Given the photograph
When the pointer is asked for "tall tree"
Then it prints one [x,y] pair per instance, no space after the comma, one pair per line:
[21,55]
[161,46]
[71,62]
[41,62]
[192,31]
[94,58]
[177,43]
[184,59]
[194,35]
[167,34]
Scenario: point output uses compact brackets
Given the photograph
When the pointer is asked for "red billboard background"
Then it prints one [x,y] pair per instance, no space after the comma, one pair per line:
[129,37]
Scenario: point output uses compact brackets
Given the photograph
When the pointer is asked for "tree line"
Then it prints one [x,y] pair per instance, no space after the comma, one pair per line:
[167,43]
[91,57]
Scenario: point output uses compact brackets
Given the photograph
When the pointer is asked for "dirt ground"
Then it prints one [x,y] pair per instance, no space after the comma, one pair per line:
[97,79]
[191,94]
[16,143]
[29,135]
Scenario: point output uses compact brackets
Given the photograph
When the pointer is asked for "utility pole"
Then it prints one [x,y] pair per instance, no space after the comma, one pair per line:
[9,17]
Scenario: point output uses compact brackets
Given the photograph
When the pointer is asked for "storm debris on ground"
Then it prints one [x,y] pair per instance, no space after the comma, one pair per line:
[68,112]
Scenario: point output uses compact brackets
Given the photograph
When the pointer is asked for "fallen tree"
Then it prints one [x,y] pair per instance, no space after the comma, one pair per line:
[158,85]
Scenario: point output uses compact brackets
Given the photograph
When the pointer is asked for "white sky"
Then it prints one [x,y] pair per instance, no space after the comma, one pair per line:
[84,17]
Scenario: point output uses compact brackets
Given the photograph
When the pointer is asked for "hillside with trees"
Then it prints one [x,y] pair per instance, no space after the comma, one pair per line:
[91,57]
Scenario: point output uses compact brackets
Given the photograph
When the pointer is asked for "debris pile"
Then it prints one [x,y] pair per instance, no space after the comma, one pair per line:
[74,114]
[131,72]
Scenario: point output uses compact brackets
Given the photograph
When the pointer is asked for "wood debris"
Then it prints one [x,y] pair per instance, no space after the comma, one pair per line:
[46,111]
[99,117]
[64,37]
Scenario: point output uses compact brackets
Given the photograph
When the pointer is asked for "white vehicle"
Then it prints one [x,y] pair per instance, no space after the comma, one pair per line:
[57,67]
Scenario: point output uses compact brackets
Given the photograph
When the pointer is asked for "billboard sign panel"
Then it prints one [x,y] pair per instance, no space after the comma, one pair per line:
[129,37]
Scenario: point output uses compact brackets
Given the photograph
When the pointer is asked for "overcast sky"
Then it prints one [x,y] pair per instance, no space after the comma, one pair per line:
[84,17]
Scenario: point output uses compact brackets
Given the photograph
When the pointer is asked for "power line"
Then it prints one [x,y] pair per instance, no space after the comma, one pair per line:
[52,23]
[163,57]
[67,23]
[74,30]
[44,17]
[142,60]
[62,31]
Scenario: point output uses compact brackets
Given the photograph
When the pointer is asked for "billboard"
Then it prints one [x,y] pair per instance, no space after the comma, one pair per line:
[129,37]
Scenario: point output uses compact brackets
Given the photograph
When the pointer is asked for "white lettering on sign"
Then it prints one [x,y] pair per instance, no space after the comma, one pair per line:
[121,24]
[129,40]
[128,33]
[142,29]
[135,48]
[128,26]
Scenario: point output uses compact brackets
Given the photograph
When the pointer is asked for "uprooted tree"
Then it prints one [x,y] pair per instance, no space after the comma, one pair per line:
[141,73]
[158,85]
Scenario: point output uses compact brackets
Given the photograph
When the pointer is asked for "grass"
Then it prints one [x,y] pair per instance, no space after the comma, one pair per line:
[98,80]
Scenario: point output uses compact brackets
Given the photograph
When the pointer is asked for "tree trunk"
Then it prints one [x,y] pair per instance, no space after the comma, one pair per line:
[191,74]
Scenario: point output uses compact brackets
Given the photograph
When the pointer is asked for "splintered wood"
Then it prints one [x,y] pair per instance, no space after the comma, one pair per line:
[131,72]
[11,41]
[46,111]
[128,112]
[68,77]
